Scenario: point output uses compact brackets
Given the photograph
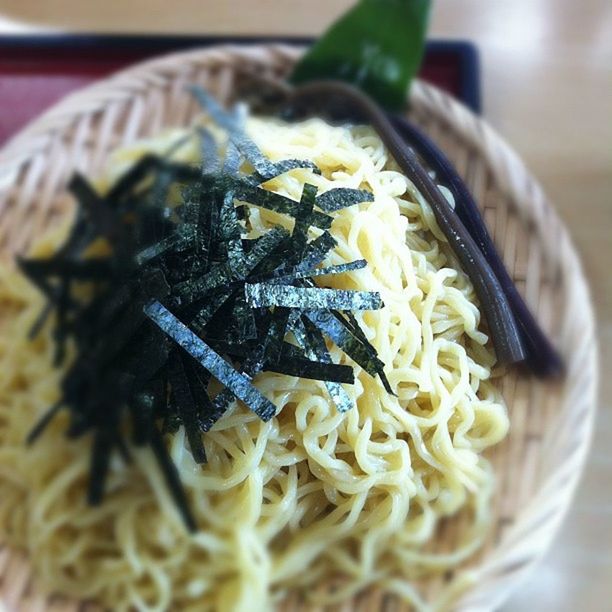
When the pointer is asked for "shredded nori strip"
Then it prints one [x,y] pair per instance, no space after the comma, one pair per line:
[211,361]
[77,269]
[281,276]
[303,220]
[312,340]
[177,242]
[224,273]
[263,166]
[349,342]
[244,327]
[142,410]
[211,162]
[270,200]
[252,364]
[184,295]
[317,250]
[186,407]
[293,164]
[313,369]
[273,344]
[233,159]
[259,295]
[101,215]
[173,479]
[348,320]
[42,423]
[231,232]
[292,361]
[104,439]
[342,197]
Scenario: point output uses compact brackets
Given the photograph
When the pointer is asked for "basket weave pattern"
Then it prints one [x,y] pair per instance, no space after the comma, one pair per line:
[539,463]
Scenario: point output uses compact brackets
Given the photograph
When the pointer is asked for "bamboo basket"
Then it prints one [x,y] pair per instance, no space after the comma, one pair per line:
[540,462]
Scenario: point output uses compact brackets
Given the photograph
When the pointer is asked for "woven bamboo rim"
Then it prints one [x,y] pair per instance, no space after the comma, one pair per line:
[538,466]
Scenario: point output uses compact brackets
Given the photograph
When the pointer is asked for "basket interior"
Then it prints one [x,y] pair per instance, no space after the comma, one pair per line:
[522,462]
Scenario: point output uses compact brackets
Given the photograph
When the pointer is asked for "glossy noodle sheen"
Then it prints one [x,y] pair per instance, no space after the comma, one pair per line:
[311,494]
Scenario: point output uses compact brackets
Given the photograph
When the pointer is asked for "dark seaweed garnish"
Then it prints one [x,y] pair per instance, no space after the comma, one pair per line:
[259,295]
[183,297]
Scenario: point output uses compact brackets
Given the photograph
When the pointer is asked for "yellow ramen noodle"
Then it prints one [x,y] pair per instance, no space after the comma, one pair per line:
[311,494]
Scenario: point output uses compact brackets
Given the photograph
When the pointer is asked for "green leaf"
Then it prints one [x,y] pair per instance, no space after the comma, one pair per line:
[377,46]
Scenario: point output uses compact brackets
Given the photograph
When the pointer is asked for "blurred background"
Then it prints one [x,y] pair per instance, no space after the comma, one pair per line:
[547,88]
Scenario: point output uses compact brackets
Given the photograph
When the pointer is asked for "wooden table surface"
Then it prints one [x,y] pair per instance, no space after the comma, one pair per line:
[547,84]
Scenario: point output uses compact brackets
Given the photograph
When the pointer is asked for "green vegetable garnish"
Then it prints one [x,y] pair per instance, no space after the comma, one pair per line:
[183,297]
[377,46]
